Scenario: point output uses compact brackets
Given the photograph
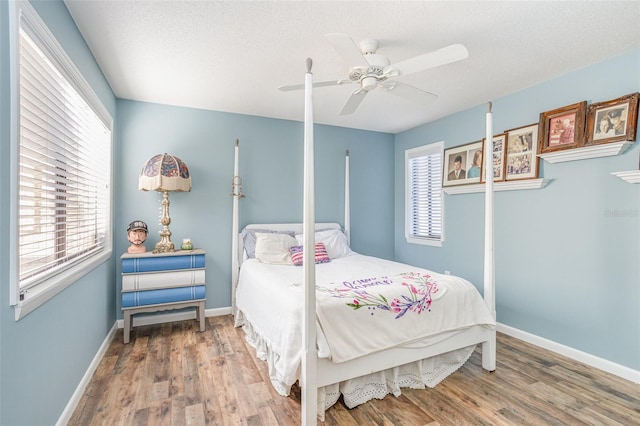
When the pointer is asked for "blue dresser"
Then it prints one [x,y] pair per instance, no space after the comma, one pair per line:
[163,281]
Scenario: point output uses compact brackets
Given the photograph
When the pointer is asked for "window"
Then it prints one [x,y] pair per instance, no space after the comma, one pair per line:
[423,194]
[61,141]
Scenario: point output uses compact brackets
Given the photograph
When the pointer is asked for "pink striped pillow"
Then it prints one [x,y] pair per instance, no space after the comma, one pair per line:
[297,254]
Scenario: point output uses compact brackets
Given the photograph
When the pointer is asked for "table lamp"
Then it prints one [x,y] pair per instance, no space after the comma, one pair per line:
[164,173]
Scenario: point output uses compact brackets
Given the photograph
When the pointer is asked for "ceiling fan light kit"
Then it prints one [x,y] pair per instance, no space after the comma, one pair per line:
[370,70]
[369,83]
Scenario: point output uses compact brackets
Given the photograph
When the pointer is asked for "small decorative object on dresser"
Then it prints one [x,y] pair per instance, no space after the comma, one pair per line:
[563,128]
[613,121]
[160,282]
[137,235]
[186,244]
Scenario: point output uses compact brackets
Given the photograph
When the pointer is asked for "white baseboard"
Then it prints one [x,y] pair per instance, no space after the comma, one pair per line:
[583,357]
[86,378]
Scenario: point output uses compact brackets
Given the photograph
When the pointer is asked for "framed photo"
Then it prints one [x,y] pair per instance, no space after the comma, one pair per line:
[521,161]
[613,121]
[462,164]
[563,128]
[499,150]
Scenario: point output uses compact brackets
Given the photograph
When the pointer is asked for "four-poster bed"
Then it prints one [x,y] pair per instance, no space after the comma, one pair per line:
[301,341]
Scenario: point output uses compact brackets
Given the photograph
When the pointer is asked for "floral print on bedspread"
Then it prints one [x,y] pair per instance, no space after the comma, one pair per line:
[413,295]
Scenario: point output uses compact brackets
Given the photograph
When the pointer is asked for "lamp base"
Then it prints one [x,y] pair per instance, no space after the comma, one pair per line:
[164,248]
[165,245]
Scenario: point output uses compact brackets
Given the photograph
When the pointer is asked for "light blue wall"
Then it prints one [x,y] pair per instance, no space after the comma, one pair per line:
[565,268]
[567,256]
[44,355]
[271,170]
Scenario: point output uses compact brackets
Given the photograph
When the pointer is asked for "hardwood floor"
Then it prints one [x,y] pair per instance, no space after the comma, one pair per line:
[172,374]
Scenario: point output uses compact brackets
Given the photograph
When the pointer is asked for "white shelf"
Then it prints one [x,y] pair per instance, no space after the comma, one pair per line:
[632,176]
[595,151]
[513,185]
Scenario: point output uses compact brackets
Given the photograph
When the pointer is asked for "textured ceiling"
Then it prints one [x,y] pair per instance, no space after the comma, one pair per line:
[233,55]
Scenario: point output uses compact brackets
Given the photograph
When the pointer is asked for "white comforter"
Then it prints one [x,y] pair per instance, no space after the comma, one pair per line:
[357,312]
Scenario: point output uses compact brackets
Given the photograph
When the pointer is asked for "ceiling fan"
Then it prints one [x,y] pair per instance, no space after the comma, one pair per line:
[371,70]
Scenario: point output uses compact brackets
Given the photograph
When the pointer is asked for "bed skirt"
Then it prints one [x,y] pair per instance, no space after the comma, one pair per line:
[415,375]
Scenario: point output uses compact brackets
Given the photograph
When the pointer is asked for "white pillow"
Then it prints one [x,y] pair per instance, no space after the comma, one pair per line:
[274,248]
[334,241]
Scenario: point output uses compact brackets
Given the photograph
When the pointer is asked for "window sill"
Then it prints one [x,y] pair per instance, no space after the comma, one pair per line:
[424,242]
[38,295]
[514,185]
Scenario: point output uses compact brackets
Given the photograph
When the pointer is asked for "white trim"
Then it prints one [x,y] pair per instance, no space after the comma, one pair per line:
[632,176]
[86,379]
[38,295]
[594,151]
[511,185]
[576,355]
[14,150]
[424,241]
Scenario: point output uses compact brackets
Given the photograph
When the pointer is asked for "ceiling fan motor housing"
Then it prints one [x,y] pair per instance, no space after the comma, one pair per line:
[370,76]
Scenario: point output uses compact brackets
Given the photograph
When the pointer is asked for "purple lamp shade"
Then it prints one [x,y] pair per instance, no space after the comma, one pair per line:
[164,172]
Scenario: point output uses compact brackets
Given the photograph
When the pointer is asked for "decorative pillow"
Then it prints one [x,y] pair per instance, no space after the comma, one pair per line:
[334,240]
[249,239]
[297,254]
[274,248]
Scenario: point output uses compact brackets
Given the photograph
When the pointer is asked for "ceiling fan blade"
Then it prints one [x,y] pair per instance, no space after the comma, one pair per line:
[446,55]
[408,92]
[353,102]
[316,84]
[347,49]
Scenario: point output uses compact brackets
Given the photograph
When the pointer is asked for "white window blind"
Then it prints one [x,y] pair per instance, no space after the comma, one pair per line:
[424,223]
[64,166]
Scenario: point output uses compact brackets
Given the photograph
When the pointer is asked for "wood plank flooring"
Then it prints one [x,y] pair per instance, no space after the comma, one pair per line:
[172,374]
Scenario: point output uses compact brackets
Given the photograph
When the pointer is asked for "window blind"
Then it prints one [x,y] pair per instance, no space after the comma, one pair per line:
[64,169]
[424,192]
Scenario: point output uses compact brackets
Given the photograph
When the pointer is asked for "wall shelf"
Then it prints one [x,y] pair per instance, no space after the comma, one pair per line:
[514,185]
[632,176]
[595,151]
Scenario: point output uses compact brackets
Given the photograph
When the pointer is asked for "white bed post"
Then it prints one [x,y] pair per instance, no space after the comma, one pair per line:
[308,378]
[236,193]
[347,202]
[489,347]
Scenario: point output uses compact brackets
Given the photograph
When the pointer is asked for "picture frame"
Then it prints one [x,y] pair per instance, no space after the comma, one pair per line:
[613,121]
[521,158]
[563,128]
[467,161]
[499,150]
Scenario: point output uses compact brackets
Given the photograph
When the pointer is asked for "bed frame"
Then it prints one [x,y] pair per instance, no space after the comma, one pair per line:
[317,372]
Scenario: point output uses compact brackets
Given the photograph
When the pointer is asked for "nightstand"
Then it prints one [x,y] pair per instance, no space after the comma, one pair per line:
[163,281]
